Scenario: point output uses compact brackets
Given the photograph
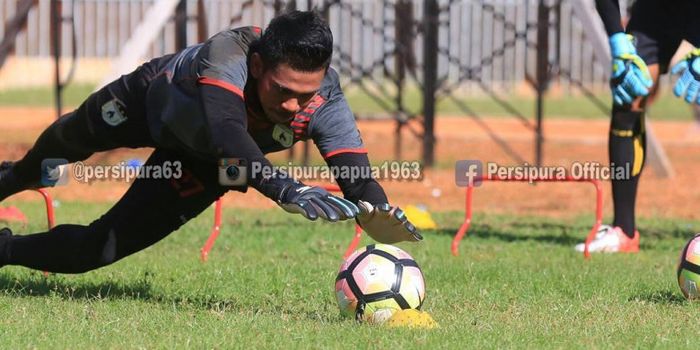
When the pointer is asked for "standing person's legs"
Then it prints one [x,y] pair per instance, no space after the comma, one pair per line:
[656,42]
[149,211]
[627,149]
[656,39]
[110,118]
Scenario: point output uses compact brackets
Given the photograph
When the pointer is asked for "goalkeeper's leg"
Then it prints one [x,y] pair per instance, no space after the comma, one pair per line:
[627,148]
[149,211]
[110,118]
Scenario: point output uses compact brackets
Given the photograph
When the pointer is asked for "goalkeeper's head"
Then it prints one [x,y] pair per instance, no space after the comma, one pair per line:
[289,62]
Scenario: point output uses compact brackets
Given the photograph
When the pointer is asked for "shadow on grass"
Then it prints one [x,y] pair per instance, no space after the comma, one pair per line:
[53,286]
[511,232]
[36,285]
[664,297]
[667,231]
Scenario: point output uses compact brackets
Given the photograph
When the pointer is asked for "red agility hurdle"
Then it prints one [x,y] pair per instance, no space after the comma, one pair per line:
[49,212]
[216,229]
[468,207]
[11,213]
[49,207]
[14,214]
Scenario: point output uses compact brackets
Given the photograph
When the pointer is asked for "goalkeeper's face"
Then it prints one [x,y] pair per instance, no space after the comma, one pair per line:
[284,91]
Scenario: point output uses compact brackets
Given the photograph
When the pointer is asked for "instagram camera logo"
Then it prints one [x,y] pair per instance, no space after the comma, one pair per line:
[468,173]
[54,172]
[233,172]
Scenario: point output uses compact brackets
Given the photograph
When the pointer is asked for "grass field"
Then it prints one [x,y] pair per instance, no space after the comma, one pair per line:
[269,284]
[667,106]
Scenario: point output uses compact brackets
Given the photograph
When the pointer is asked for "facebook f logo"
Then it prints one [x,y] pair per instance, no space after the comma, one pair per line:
[468,173]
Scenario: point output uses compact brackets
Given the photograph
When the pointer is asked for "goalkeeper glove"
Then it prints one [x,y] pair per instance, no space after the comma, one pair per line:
[630,75]
[688,83]
[315,202]
[386,224]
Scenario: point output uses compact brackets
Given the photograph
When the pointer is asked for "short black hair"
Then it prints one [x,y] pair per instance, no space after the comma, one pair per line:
[301,39]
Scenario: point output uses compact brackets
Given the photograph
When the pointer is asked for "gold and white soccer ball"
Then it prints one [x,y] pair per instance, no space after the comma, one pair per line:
[378,280]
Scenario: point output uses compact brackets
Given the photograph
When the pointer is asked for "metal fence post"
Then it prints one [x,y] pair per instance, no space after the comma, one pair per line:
[55,24]
[541,74]
[430,83]
[181,25]
[202,24]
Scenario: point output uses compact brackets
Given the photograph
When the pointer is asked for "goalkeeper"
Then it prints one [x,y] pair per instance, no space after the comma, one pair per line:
[241,94]
[639,55]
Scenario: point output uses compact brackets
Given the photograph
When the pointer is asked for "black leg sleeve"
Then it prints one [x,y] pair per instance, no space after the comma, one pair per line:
[626,148]
[149,211]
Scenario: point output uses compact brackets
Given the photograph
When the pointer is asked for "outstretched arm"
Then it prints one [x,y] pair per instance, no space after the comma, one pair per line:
[222,76]
[227,126]
[383,222]
[333,129]
[361,189]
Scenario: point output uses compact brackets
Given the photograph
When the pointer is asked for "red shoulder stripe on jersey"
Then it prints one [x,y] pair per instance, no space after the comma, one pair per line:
[345,150]
[317,102]
[301,125]
[221,84]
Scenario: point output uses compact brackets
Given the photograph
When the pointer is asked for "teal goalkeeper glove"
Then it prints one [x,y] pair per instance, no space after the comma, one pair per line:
[688,83]
[630,75]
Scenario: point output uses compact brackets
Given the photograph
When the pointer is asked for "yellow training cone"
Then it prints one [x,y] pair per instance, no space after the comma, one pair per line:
[411,318]
[420,217]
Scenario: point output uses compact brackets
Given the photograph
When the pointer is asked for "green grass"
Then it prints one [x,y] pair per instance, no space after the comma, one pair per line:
[73,96]
[269,284]
[667,106]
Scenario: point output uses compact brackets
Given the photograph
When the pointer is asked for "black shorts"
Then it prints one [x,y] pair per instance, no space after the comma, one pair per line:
[660,26]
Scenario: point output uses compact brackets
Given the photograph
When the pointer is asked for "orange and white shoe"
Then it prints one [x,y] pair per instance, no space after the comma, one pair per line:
[610,239]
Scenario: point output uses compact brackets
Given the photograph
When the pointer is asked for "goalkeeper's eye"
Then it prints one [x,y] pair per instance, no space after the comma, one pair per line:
[303,98]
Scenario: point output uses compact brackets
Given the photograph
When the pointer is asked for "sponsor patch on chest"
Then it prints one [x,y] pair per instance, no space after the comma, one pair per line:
[283,134]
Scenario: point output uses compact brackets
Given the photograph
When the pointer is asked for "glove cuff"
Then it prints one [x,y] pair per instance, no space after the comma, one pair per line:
[693,58]
[621,43]
[276,186]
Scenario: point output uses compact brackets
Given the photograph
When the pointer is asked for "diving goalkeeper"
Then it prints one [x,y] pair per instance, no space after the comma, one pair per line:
[239,95]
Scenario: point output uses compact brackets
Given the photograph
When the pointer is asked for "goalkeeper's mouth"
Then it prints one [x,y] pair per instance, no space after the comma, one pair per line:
[280,117]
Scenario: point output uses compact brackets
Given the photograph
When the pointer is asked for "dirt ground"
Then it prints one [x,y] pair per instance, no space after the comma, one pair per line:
[567,141]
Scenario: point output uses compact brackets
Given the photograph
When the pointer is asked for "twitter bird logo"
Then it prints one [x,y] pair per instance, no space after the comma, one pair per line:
[53,172]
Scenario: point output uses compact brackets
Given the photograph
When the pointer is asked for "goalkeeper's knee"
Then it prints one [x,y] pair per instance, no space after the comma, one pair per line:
[627,140]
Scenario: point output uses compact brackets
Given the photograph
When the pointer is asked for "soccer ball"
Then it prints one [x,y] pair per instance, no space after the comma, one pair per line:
[376,281]
[689,269]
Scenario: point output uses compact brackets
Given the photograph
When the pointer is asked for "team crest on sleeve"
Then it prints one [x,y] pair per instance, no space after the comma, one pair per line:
[283,134]
[113,113]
